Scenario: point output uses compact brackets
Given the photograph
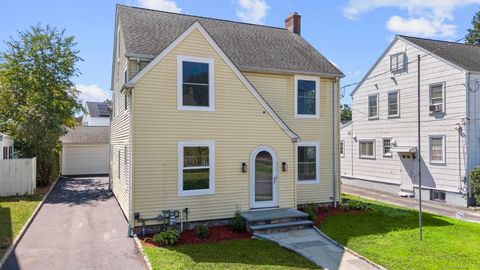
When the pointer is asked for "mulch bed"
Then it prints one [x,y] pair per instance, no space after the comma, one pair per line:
[322,215]
[216,234]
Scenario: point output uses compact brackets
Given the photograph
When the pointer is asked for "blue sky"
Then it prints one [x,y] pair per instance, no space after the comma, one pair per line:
[351,33]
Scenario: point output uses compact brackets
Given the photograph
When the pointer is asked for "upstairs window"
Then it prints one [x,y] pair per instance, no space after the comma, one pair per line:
[342,148]
[373,106]
[307,97]
[397,62]
[195,87]
[436,98]
[393,109]
[437,149]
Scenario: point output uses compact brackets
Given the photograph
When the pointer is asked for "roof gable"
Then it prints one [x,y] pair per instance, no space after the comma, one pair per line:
[252,47]
[197,26]
[465,56]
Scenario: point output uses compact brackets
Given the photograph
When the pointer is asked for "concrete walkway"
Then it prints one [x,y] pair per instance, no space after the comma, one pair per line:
[80,226]
[319,249]
[437,208]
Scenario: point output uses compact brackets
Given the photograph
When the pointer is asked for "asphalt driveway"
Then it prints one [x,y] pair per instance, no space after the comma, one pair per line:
[80,226]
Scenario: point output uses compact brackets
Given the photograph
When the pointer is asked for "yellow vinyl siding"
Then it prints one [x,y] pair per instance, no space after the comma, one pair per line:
[120,131]
[278,91]
[237,126]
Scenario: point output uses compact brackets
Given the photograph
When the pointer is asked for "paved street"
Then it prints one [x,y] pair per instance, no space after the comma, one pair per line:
[438,208]
[80,226]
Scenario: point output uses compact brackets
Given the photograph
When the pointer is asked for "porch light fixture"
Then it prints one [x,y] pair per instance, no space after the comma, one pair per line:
[284,166]
[244,167]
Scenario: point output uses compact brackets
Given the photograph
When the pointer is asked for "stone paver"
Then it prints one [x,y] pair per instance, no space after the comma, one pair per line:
[319,249]
[80,226]
[437,208]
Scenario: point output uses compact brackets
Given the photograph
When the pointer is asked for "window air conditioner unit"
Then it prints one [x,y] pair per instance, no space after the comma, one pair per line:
[436,108]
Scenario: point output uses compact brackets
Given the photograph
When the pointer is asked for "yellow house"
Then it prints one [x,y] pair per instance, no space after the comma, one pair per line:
[212,115]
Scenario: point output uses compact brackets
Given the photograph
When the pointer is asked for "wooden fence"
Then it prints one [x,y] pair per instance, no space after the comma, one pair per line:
[18,176]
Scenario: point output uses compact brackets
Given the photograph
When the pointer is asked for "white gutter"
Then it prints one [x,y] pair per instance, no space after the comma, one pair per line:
[335,145]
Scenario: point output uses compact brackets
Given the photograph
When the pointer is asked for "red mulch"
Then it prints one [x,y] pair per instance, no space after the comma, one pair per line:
[216,234]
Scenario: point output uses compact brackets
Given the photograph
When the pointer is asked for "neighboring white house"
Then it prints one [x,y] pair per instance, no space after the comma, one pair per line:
[379,147]
[97,114]
[86,151]
[6,144]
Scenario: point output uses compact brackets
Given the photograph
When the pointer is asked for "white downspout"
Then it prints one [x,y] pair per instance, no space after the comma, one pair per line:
[335,146]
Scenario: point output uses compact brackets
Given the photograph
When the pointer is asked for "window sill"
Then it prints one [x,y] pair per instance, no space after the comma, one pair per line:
[198,192]
[194,108]
[387,155]
[442,163]
[308,182]
[373,118]
[393,116]
[307,116]
[367,157]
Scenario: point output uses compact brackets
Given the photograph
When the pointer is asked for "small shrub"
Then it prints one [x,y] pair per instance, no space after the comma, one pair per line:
[358,205]
[475,182]
[345,206]
[168,237]
[237,223]
[324,209]
[311,210]
[202,231]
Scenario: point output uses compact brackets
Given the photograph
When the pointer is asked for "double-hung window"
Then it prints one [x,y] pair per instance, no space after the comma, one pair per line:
[196,168]
[195,83]
[437,149]
[437,97]
[308,162]
[7,152]
[387,147]
[307,97]
[367,148]
[373,106]
[393,104]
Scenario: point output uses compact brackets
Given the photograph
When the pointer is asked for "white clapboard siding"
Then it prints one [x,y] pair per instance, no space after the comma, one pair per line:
[18,176]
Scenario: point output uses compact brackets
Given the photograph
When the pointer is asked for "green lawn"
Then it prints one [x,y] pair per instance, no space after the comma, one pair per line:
[14,212]
[246,254]
[388,235]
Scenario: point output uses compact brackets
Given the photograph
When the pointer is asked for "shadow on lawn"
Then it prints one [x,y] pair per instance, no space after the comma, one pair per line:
[246,251]
[380,219]
[77,191]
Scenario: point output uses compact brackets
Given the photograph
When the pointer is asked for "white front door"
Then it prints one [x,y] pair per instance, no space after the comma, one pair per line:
[263,178]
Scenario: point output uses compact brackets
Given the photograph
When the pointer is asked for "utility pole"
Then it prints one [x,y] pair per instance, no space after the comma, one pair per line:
[419,154]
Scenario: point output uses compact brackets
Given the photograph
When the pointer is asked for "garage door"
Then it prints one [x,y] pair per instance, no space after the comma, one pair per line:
[85,159]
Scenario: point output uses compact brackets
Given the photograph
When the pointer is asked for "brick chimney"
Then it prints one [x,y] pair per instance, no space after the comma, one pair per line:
[292,23]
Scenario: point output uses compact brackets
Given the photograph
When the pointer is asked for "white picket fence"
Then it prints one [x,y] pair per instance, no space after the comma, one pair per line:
[18,176]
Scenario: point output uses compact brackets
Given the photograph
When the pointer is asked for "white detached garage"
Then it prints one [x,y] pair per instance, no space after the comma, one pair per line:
[86,151]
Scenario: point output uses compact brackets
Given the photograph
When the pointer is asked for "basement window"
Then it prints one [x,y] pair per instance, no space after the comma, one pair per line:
[437,195]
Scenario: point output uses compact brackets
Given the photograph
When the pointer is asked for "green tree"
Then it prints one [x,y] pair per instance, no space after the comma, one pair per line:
[473,36]
[345,113]
[38,99]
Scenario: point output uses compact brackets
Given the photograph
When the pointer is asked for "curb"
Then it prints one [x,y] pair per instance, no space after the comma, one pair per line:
[19,237]
[349,250]
[140,247]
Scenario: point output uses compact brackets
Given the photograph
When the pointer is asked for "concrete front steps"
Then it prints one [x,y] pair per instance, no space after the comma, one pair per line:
[276,220]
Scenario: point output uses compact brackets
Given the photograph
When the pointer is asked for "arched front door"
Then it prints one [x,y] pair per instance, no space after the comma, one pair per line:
[263,178]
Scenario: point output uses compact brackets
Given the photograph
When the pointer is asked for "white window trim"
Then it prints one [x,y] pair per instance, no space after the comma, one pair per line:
[125,69]
[374,149]
[211,156]
[342,154]
[211,83]
[398,104]
[317,96]
[368,107]
[383,147]
[118,44]
[436,136]
[430,86]
[317,165]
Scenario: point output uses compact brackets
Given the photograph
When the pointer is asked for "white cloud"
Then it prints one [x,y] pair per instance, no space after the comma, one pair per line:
[165,5]
[252,11]
[427,18]
[91,92]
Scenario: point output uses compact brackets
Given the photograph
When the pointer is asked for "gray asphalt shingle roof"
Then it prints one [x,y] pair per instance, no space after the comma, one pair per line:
[97,109]
[463,55]
[149,32]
